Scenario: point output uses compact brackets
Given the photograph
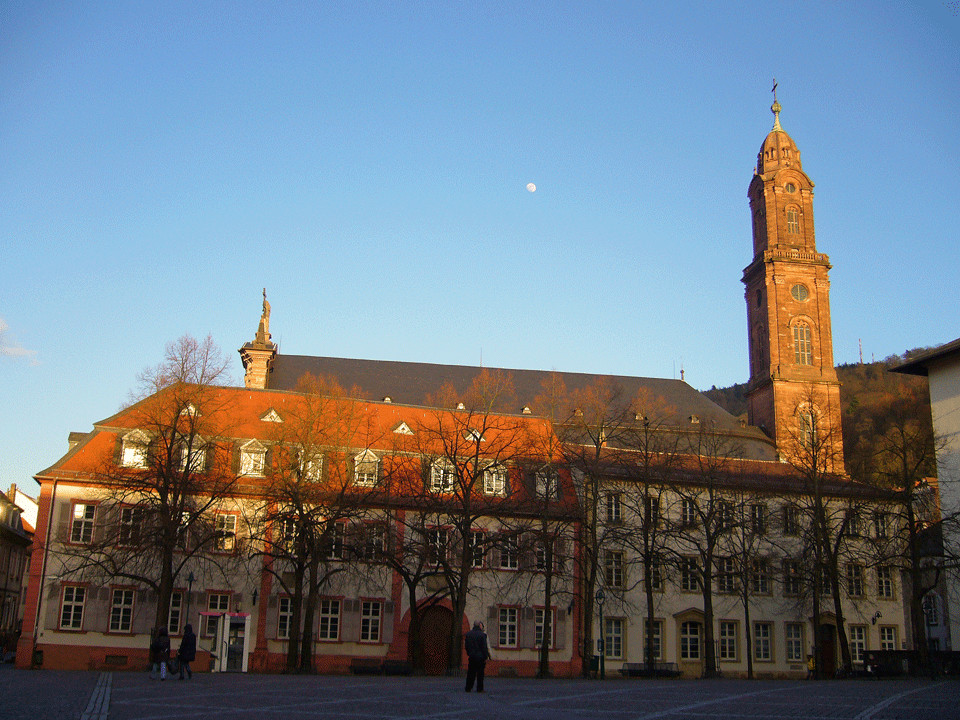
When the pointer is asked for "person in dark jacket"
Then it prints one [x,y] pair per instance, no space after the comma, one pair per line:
[475,643]
[160,650]
[188,651]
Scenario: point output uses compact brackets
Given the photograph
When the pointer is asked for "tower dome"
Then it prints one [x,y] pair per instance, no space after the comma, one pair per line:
[778,150]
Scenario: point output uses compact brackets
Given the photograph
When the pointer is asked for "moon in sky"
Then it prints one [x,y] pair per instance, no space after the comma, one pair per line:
[531,187]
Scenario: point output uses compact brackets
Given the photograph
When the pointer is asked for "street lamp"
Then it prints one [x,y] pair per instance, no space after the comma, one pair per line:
[190,579]
[600,597]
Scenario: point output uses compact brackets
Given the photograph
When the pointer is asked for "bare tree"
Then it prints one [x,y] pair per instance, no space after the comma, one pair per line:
[168,471]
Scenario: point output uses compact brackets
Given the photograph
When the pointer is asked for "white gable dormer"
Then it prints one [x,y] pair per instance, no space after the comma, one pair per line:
[271,415]
[403,429]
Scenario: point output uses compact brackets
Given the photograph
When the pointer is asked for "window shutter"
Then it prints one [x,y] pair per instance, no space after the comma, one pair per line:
[63,521]
[144,614]
[350,632]
[493,626]
[386,634]
[52,615]
[528,634]
[272,616]
[96,610]
[273,601]
[560,632]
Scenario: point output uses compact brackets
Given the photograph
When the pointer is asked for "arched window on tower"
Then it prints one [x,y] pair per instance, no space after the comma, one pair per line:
[807,430]
[793,222]
[802,344]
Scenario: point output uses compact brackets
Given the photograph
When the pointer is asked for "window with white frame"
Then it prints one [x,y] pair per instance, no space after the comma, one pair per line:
[311,466]
[653,635]
[793,634]
[613,506]
[651,509]
[253,458]
[284,617]
[854,525]
[372,548]
[613,638]
[726,575]
[656,574]
[763,641]
[880,524]
[121,610]
[885,582]
[858,642]
[336,533]
[438,540]
[478,548]
[131,522]
[688,512]
[547,484]
[442,475]
[540,554]
[366,469]
[728,640]
[791,520]
[791,577]
[72,600]
[495,480]
[371,613]
[509,554]
[192,457]
[854,579]
[329,628]
[888,637]
[725,518]
[175,614]
[758,519]
[540,617]
[613,568]
[690,640]
[133,453]
[760,576]
[824,581]
[81,526]
[225,532]
[689,575]
[508,627]
[218,603]
[793,223]
[802,344]
[931,609]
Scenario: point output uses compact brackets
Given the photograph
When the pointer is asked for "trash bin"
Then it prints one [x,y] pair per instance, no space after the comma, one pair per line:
[37,658]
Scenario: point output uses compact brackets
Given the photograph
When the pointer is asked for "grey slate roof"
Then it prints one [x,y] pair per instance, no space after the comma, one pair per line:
[412,383]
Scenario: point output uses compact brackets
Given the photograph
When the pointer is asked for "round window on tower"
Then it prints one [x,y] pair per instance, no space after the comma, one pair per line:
[791,188]
[800,293]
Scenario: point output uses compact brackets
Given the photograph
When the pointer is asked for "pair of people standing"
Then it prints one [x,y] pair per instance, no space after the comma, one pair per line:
[475,643]
[160,653]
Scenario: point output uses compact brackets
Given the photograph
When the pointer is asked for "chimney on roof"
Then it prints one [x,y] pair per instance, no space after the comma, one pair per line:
[257,356]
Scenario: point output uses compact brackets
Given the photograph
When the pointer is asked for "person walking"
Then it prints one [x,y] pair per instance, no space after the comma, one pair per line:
[188,651]
[475,643]
[160,650]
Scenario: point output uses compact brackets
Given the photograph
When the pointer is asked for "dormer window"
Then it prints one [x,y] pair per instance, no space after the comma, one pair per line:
[190,410]
[193,457]
[475,436]
[403,429]
[548,484]
[366,467]
[311,466]
[495,480]
[271,416]
[134,451]
[442,474]
[253,457]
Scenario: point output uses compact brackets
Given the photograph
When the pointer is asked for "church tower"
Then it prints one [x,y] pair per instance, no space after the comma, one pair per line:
[793,394]
[257,356]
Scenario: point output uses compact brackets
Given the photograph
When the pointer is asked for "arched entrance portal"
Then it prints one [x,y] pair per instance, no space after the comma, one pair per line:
[828,634]
[435,633]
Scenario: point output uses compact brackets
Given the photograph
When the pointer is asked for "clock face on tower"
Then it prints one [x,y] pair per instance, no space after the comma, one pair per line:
[800,292]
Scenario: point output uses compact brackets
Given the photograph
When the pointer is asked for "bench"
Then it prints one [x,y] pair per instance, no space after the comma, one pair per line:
[660,669]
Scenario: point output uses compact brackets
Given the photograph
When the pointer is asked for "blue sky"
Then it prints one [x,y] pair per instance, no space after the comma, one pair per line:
[160,163]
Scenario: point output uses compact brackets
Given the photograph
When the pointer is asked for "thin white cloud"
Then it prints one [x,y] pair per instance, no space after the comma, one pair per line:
[10,348]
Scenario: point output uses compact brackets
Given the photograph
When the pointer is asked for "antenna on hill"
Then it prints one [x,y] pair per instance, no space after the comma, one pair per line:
[860,343]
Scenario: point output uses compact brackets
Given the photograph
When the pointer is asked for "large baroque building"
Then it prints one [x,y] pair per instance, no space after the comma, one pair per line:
[533,511]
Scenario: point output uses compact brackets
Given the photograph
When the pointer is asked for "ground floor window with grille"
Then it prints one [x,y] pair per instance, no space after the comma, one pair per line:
[690,640]
[794,642]
[176,613]
[728,640]
[329,628]
[762,641]
[613,638]
[284,617]
[858,642]
[540,616]
[654,636]
[888,638]
[121,611]
[216,603]
[71,607]
[508,627]
[370,613]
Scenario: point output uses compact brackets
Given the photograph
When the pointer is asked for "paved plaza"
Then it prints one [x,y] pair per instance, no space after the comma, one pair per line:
[43,695]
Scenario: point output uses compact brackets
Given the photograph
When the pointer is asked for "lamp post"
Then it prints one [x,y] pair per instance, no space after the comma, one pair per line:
[190,579]
[600,597]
